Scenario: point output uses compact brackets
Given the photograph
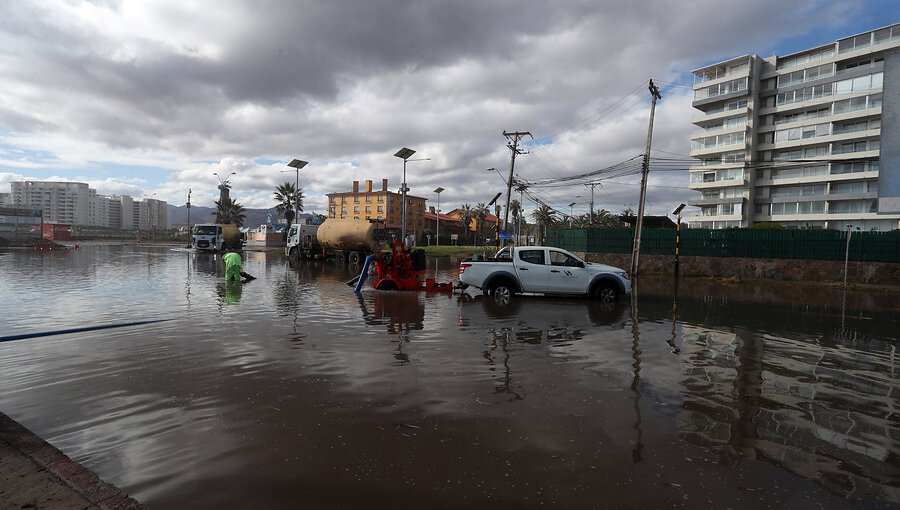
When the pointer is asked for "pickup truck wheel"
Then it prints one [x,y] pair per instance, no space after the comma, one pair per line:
[294,254]
[501,292]
[606,292]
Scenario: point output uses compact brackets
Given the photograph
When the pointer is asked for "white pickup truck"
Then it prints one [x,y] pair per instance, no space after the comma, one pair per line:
[543,270]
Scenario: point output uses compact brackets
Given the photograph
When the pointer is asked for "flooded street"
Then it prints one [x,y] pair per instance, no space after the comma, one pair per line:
[293,391]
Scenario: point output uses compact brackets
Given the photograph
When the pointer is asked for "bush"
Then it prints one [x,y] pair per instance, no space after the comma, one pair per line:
[766,226]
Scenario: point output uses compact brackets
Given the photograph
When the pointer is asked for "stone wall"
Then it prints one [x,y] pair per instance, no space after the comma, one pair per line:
[880,273]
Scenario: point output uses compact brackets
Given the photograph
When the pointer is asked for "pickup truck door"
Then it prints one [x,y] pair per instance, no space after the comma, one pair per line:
[532,269]
[566,275]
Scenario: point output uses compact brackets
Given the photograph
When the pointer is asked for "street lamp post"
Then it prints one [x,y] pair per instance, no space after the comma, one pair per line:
[297,164]
[405,154]
[223,192]
[437,228]
[189,229]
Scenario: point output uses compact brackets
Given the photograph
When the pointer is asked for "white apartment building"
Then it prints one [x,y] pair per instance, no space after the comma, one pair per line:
[66,203]
[75,203]
[797,139]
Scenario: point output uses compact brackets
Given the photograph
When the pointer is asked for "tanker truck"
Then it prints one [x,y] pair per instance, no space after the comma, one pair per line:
[349,239]
[215,237]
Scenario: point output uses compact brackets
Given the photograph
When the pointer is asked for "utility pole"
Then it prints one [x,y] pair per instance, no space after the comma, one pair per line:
[592,185]
[520,187]
[639,223]
[514,138]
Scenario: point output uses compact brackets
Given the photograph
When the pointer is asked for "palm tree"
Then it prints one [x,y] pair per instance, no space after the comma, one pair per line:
[286,194]
[543,216]
[481,210]
[606,219]
[466,213]
[515,208]
[229,211]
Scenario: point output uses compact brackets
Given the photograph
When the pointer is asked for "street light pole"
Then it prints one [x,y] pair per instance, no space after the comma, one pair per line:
[437,228]
[405,154]
[189,229]
[297,164]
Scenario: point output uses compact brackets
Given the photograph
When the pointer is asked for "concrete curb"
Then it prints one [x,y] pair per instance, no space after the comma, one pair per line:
[70,473]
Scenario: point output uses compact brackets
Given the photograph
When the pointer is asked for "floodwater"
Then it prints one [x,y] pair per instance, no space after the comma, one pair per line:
[292,391]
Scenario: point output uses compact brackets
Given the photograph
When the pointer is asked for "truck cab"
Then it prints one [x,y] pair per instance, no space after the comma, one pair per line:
[208,237]
[302,241]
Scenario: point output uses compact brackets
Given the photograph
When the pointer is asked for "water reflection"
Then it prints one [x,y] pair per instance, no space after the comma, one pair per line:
[811,403]
[343,399]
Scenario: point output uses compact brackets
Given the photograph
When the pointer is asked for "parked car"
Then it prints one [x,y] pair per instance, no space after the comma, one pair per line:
[543,270]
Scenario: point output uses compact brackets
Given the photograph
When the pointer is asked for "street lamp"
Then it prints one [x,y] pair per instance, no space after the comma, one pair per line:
[297,164]
[405,154]
[189,229]
[224,182]
[437,228]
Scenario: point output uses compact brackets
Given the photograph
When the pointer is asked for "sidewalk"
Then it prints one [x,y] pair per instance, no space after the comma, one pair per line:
[35,475]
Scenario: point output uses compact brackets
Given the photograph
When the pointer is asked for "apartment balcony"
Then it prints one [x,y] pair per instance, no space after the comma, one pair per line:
[728,96]
[730,183]
[718,149]
[863,195]
[722,130]
[818,140]
[723,114]
[698,202]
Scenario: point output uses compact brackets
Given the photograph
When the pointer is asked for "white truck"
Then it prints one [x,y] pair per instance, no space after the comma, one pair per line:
[543,270]
[302,242]
[215,237]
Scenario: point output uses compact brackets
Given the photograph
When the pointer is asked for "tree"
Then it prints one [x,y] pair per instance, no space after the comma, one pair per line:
[543,216]
[515,209]
[466,213]
[286,195]
[229,211]
[481,210]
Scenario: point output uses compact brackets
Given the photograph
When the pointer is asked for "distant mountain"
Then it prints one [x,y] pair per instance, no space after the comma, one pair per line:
[254,217]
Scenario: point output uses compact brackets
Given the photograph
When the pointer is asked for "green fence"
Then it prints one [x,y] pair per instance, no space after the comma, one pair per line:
[764,244]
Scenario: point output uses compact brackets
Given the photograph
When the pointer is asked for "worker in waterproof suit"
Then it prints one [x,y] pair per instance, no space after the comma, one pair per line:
[233,266]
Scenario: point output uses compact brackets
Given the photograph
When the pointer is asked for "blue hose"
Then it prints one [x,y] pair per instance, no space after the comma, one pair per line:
[76,330]
[364,273]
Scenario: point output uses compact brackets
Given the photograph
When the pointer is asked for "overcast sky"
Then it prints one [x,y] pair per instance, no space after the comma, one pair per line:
[144,97]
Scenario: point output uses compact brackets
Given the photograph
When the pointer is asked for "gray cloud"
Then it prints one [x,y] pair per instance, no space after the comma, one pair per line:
[186,89]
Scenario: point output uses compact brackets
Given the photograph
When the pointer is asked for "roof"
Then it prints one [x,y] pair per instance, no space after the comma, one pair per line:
[651,221]
[444,217]
[487,217]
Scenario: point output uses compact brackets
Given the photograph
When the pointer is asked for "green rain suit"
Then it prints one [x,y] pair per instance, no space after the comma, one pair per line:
[232,266]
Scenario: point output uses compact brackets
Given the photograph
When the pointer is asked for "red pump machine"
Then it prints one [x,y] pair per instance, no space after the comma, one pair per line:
[401,269]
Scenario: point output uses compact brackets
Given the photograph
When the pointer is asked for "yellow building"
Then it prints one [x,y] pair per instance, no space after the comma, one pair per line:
[382,204]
